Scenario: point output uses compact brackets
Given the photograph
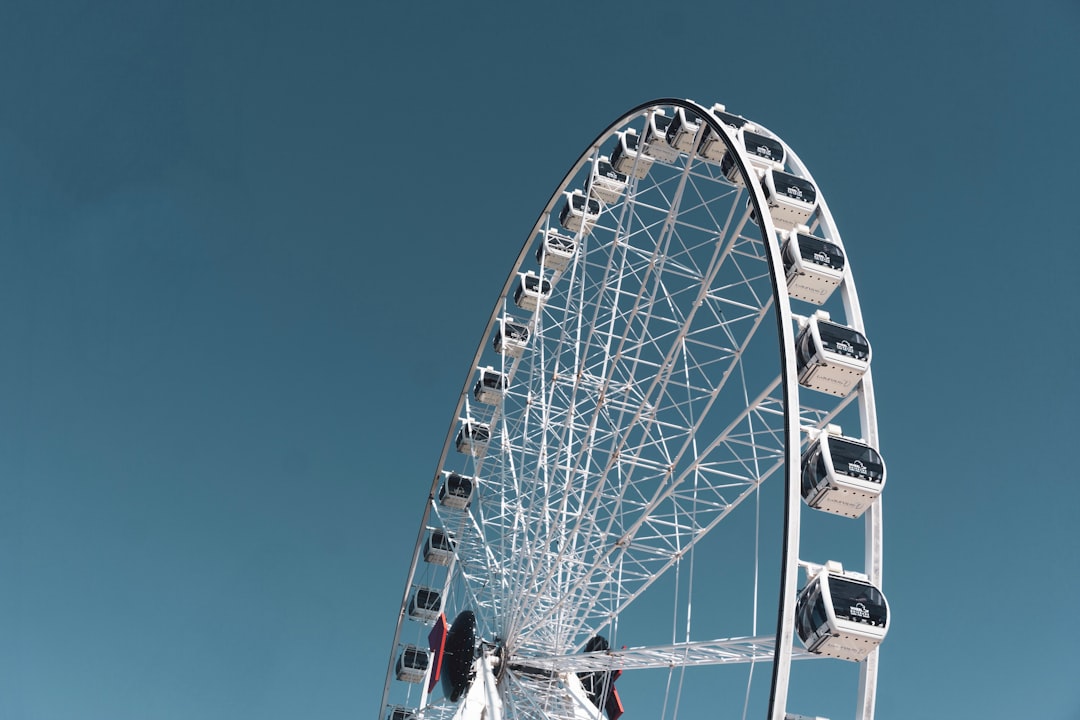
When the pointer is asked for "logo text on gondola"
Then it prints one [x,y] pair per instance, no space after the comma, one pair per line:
[859,610]
[857,467]
[845,347]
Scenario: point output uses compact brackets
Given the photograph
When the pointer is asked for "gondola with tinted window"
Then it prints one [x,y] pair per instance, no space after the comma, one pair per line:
[791,200]
[456,491]
[579,213]
[682,130]
[425,604]
[840,614]
[439,548]
[606,183]
[712,146]
[490,386]
[841,475]
[831,358]
[511,337]
[627,158]
[656,144]
[814,266]
[555,251]
[765,154]
[412,664]
[531,289]
[473,437]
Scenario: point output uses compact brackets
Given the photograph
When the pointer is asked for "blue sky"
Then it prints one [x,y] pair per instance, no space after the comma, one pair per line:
[225,378]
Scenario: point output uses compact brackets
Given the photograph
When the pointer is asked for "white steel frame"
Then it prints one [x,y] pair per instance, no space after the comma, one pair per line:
[653,398]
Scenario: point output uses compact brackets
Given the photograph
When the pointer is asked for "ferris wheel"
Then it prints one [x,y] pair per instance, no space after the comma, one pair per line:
[665,456]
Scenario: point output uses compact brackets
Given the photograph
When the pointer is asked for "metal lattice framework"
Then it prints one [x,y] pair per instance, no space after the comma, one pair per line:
[656,395]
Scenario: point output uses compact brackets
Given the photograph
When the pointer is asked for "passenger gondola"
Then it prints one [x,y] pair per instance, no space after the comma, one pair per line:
[399,712]
[606,184]
[656,144]
[733,121]
[579,213]
[531,289]
[439,548]
[765,154]
[626,158]
[840,614]
[490,386]
[841,475]
[412,664]
[831,358]
[425,604]
[555,251]
[682,130]
[712,146]
[511,337]
[473,437]
[791,200]
[814,266]
[456,491]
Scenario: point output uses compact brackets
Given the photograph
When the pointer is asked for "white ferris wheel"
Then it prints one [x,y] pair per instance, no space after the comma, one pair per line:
[665,456]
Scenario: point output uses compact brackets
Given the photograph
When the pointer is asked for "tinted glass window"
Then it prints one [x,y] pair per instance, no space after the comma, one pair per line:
[793,187]
[458,484]
[534,284]
[813,470]
[427,599]
[821,252]
[604,169]
[763,146]
[728,119]
[559,242]
[843,340]
[856,459]
[514,331]
[857,602]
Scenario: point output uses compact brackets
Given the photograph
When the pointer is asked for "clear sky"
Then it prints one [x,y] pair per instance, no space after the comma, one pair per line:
[246,254]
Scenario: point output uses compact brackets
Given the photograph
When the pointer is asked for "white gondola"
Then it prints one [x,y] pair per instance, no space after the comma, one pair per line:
[656,144]
[606,184]
[814,266]
[791,200]
[425,604]
[682,130]
[712,146]
[841,475]
[412,664]
[473,437]
[438,548]
[511,337]
[399,712]
[579,213]
[531,289]
[555,251]
[733,121]
[841,614]
[765,154]
[831,358]
[490,386]
[457,491]
[626,158]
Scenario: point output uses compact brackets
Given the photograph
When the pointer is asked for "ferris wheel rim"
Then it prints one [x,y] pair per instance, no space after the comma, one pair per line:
[782,311]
